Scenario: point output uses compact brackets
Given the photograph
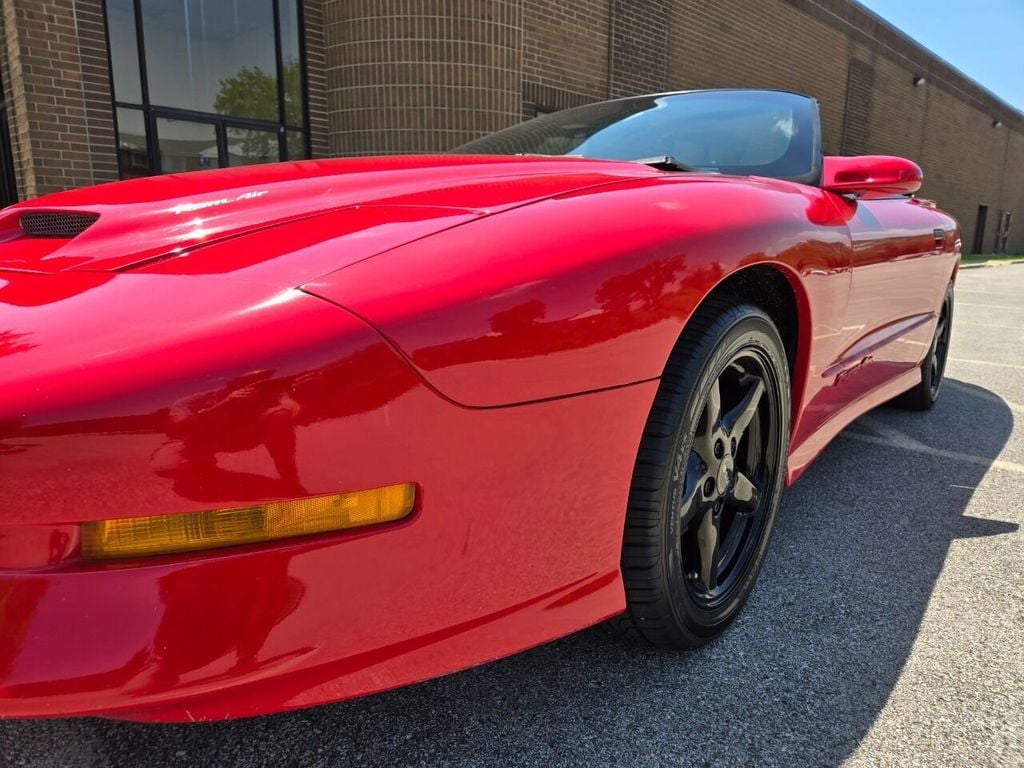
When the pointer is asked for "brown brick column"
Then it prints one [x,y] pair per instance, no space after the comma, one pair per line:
[55,60]
[420,77]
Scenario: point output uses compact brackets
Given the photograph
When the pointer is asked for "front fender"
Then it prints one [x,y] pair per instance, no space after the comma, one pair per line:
[582,292]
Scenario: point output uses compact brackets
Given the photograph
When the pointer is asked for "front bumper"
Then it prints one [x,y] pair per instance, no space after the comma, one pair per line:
[291,626]
[515,540]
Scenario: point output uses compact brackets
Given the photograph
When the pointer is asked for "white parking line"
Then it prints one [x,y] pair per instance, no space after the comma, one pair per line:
[957,323]
[986,362]
[1019,307]
[909,444]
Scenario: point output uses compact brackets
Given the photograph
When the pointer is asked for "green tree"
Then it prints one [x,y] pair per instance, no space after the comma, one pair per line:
[252,94]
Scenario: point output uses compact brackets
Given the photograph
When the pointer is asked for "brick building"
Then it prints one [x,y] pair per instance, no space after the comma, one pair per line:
[95,90]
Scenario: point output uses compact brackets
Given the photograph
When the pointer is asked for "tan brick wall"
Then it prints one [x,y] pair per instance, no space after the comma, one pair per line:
[62,129]
[946,124]
[565,51]
[423,76]
[962,155]
[1012,189]
[751,44]
[638,52]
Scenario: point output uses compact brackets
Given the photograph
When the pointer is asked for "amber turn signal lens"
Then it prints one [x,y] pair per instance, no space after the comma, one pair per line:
[164,534]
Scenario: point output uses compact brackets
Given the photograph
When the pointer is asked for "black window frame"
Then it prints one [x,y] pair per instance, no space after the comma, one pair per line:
[221,123]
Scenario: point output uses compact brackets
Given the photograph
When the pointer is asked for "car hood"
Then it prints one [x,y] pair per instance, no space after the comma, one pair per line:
[123,226]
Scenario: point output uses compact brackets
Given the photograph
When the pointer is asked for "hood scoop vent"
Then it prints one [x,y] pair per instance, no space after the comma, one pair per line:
[62,224]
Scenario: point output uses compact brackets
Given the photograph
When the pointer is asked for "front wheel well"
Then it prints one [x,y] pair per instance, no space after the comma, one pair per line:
[768,288]
[772,289]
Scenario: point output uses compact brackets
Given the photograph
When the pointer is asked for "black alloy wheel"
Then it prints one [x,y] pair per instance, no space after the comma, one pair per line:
[708,478]
[926,393]
[724,506]
[940,346]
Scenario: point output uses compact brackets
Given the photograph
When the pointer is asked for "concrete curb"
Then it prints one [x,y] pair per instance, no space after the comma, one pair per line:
[992,263]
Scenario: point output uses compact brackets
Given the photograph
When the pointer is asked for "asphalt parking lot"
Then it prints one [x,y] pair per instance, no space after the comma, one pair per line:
[888,628]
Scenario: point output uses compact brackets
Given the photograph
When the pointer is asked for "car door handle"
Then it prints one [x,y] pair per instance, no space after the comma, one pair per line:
[940,239]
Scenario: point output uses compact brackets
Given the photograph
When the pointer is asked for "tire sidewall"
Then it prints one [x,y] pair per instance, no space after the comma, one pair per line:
[926,367]
[749,330]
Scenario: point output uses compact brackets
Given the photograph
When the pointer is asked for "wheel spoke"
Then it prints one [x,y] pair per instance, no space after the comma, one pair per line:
[704,443]
[692,497]
[707,542]
[755,447]
[745,494]
[738,419]
[713,410]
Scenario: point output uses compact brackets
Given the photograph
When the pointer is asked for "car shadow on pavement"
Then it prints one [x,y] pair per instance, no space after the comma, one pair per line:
[799,679]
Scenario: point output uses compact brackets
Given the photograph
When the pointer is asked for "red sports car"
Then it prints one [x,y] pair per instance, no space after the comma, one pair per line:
[284,435]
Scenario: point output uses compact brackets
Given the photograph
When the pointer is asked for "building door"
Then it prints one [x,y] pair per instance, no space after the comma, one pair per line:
[1003,231]
[8,186]
[979,230]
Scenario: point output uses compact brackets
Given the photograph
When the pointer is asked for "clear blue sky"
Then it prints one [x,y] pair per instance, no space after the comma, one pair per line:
[984,39]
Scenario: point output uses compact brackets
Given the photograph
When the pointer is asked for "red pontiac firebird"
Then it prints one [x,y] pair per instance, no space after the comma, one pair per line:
[284,435]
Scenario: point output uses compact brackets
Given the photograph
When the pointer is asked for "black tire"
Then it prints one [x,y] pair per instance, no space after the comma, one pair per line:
[926,393]
[724,348]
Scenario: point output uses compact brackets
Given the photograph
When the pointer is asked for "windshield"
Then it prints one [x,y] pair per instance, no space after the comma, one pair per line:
[761,133]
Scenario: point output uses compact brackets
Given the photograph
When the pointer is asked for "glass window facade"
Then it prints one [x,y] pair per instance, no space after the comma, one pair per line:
[206,83]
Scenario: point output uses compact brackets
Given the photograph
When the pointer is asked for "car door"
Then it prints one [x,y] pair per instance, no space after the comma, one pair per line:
[896,286]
